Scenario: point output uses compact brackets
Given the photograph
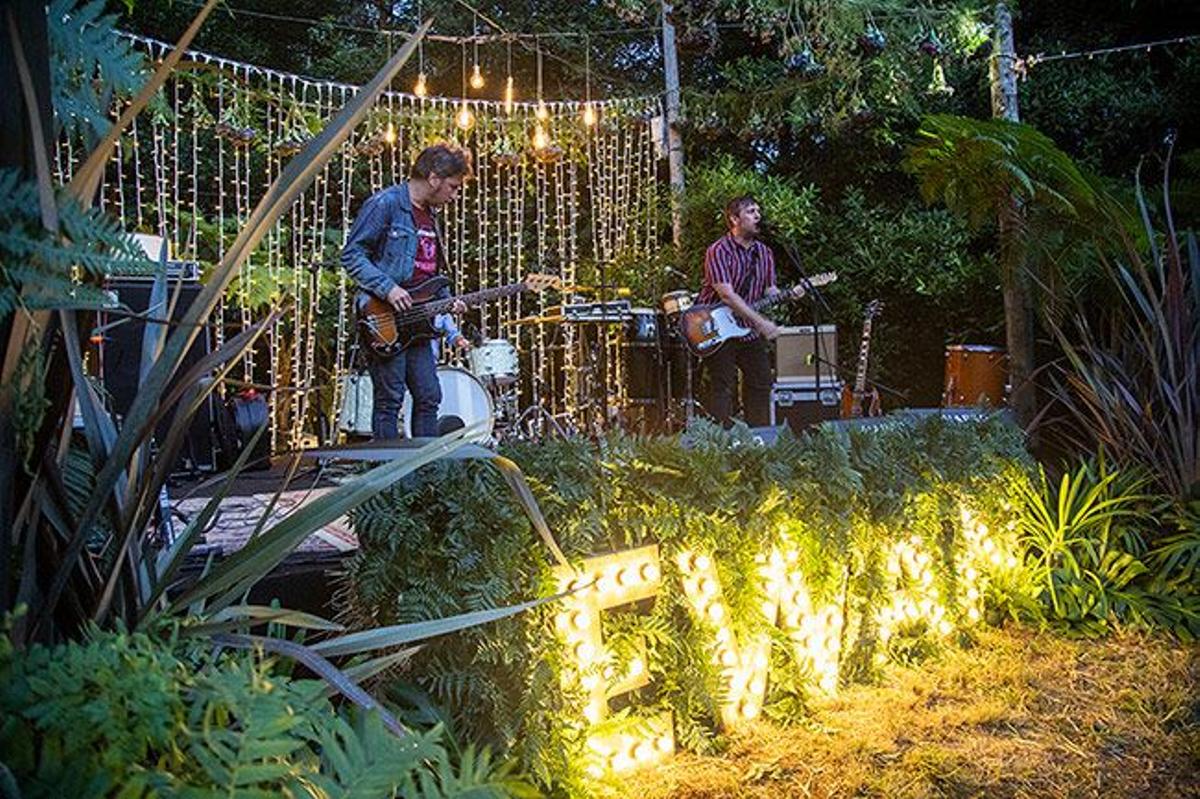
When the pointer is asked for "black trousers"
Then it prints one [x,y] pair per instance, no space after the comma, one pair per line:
[750,358]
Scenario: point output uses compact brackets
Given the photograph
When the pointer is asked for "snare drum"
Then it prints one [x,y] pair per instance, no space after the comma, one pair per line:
[463,396]
[676,302]
[495,360]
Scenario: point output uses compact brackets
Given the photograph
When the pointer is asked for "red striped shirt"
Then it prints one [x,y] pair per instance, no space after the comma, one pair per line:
[750,270]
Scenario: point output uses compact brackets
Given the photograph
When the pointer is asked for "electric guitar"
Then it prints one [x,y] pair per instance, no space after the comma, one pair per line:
[388,331]
[859,400]
[707,327]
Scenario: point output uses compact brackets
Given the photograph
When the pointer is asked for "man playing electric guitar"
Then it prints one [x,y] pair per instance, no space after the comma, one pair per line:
[393,246]
[739,270]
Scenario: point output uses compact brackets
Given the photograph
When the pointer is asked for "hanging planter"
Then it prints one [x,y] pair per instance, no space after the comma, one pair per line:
[549,154]
[804,64]
[290,146]
[244,137]
[937,84]
[872,41]
[930,44]
[372,146]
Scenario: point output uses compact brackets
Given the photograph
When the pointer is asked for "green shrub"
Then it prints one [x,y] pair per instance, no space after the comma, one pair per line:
[131,715]
[1086,538]
[450,541]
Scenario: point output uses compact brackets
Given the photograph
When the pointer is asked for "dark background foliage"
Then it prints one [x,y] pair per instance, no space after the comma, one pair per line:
[835,139]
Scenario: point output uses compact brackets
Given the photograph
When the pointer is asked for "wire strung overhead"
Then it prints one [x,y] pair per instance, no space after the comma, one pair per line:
[1026,63]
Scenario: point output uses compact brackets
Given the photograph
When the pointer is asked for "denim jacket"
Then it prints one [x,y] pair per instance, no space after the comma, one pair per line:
[382,244]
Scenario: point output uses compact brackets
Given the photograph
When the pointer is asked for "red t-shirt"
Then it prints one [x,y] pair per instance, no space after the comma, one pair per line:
[425,266]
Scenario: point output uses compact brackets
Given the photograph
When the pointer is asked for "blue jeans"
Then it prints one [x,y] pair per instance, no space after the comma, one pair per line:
[415,368]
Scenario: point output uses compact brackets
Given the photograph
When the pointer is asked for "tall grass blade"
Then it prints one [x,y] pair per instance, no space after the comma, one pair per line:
[294,179]
[396,635]
[245,567]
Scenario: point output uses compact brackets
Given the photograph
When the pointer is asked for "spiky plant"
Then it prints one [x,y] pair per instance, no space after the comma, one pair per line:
[1128,377]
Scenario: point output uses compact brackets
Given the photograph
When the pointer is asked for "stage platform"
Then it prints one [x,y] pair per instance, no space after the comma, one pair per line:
[251,494]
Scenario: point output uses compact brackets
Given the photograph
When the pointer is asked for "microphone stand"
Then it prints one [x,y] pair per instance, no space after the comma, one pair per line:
[602,336]
[793,256]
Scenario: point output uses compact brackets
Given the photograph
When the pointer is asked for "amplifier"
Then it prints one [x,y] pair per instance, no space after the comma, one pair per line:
[121,355]
[799,404]
[795,358]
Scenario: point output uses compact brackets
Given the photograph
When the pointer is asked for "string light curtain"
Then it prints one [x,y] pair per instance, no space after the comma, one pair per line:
[193,168]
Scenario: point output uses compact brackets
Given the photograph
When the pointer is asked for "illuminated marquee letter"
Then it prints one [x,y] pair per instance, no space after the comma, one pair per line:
[611,581]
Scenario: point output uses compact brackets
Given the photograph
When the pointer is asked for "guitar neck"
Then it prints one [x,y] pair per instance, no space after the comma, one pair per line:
[771,299]
[435,307]
[860,377]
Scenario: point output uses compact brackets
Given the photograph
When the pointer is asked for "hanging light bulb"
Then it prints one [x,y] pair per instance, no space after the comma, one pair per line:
[542,113]
[464,118]
[589,113]
[421,89]
[389,135]
[476,75]
[509,94]
[541,140]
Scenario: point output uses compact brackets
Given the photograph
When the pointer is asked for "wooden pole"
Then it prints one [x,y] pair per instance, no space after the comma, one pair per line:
[674,140]
[1014,276]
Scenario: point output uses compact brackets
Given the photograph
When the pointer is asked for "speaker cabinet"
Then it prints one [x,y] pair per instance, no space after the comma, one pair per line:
[798,353]
[121,354]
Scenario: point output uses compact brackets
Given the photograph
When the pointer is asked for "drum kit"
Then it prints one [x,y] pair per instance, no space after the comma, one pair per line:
[632,369]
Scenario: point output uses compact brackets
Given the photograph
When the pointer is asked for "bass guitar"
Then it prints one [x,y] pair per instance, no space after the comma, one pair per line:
[389,331]
[860,400]
[707,327]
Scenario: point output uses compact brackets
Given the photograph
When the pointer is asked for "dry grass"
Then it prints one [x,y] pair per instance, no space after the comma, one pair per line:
[1020,714]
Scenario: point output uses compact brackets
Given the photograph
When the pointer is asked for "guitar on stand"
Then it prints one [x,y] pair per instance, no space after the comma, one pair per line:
[707,327]
[389,331]
[861,401]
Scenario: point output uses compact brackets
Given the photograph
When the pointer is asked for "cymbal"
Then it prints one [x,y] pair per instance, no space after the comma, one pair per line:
[534,320]
[614,291]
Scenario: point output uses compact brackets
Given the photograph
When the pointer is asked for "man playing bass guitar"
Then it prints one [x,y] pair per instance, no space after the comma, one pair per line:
[739,270]
[393,246]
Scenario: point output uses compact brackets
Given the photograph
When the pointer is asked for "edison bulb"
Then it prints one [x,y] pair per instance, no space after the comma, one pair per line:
[464,118]
[540,139]
[543,113]
[509,95]
[476,78]
[389,135]
[589,115]
[421,88]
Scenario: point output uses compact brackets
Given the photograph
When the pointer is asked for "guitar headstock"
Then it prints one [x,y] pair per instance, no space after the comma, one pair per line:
[535,281]
[817,280]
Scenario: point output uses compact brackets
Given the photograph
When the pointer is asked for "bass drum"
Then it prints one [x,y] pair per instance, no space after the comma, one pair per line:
[463,399]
